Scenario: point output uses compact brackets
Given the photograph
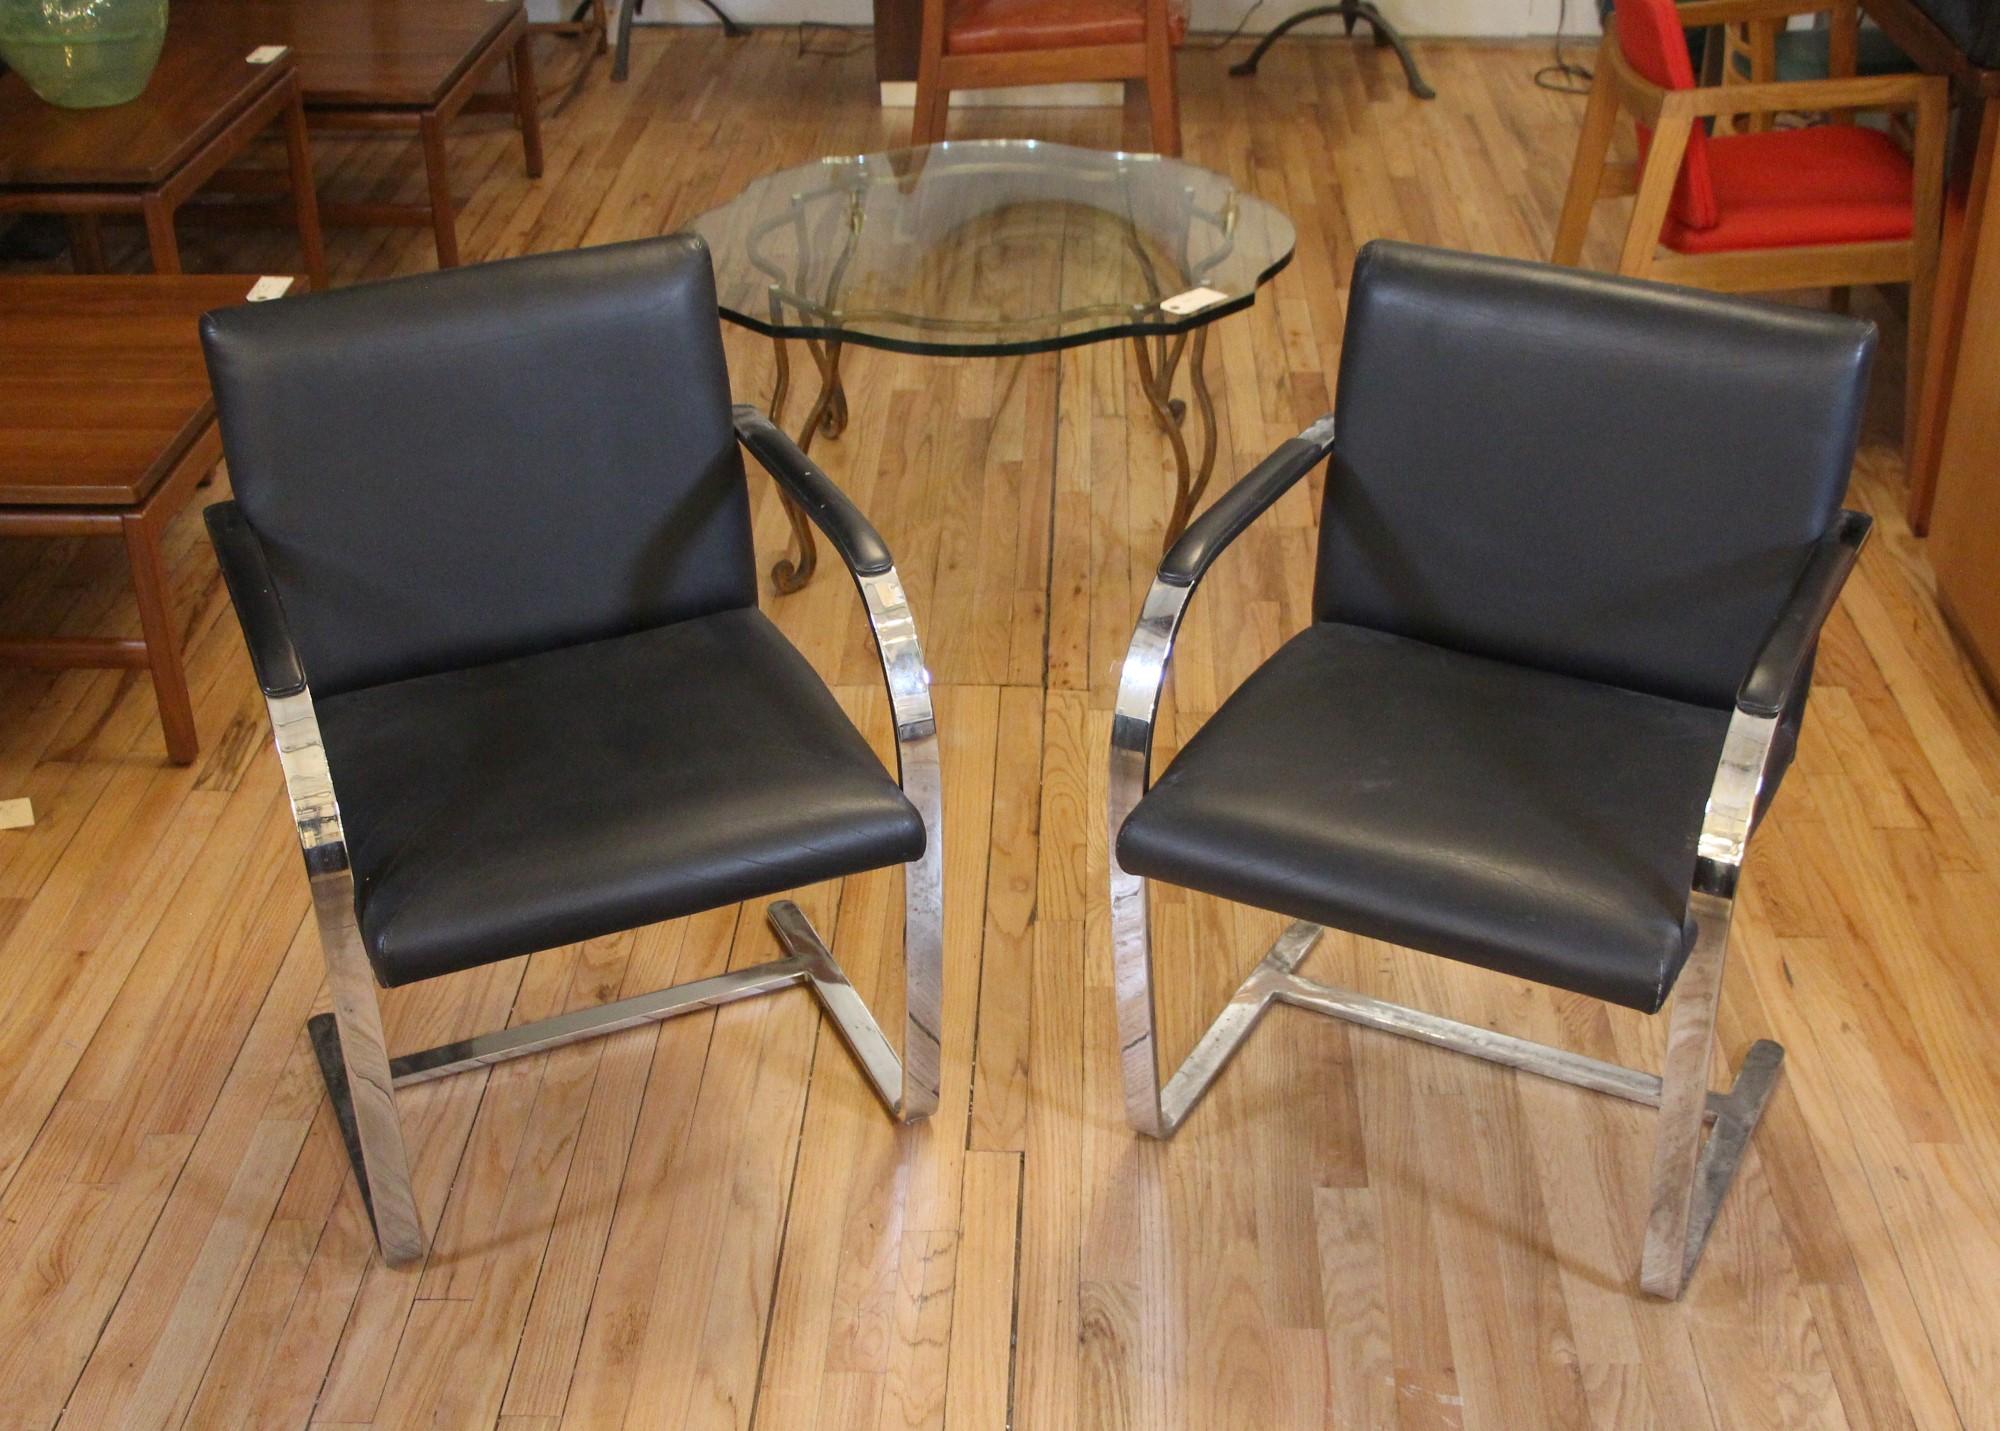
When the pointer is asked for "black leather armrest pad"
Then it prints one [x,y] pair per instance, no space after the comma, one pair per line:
[1224,521]
[1788,648]
[244,571]
[858,543]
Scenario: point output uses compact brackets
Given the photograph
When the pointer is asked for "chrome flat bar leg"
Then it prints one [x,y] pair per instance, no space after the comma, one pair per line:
[1530,1057]
[923,935]
[382,1162]
[1684,1173]
[579,1024]
[1742,1107]
[357,1076]
[1632,1084]
[1232,1027]
[858,1030]
[1139,683]
[1132,984]
[919,770]
[334,1073]
[364,1093]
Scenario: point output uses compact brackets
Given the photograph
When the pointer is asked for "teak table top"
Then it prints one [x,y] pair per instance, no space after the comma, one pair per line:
[369,54]
[203,81]
[102,386]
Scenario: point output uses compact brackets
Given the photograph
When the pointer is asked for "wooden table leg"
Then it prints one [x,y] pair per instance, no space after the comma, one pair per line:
[444,220]
[163,647]
[527,104]
[86,243]
[159,215]
[305,199]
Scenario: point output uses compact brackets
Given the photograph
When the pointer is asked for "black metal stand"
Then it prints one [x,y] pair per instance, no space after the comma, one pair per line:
[1349,12]
[621,62]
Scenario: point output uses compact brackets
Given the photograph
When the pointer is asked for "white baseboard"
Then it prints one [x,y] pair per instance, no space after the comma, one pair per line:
[1108,94]
[1414,17]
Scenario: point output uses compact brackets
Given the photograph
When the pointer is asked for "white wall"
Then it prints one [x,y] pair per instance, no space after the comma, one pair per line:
[1414,17]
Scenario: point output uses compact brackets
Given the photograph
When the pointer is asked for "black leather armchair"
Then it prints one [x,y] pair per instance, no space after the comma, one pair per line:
[520,687]
[1578,539]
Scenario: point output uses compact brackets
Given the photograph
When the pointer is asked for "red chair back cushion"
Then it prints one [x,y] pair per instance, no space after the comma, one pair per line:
[1650,35]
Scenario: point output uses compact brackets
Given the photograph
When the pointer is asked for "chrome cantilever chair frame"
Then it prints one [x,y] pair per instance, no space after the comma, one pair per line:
[1689,1176]
[362,1078]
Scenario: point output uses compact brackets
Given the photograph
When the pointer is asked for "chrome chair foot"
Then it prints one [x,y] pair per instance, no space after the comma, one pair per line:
[398,1248]
[908,1096]
[850,1016]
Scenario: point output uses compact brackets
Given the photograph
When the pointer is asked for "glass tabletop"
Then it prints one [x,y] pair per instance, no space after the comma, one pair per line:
[990,247]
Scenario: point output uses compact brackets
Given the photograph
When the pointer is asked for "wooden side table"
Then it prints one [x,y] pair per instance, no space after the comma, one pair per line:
[376,65]
[204,105]
[1971,228]
[106,425]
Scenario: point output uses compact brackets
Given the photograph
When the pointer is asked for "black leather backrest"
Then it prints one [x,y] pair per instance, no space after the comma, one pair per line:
[1580,473]
[461,467]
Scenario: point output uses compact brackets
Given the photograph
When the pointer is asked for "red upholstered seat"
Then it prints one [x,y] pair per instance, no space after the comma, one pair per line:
[1650,34]
[1833,183]
[988,27]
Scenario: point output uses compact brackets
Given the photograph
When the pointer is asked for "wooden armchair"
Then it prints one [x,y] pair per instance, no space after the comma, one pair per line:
[1830,205]
[1761,50]
[979,44]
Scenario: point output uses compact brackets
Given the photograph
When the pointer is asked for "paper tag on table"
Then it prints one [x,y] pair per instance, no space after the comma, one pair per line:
[267,288]
[1192,301]
[264,54]
[16,814]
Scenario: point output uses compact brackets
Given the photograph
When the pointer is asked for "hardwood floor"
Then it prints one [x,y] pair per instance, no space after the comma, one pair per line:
[710,1223]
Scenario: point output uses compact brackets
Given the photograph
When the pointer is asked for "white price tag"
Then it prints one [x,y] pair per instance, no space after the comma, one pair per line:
[264,54]
[1192,301]
[268,287]
[16,814]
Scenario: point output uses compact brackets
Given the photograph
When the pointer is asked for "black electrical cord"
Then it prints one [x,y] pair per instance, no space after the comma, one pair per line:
[1563,76]
[1241,25]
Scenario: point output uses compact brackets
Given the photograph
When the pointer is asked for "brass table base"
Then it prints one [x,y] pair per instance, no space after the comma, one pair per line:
[1159,360]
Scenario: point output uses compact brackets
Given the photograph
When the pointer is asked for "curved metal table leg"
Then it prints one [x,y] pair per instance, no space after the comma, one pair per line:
[829,414]
[1156,380]
[1349,12]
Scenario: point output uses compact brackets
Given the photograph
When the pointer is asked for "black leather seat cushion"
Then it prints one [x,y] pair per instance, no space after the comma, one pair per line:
[534,802]
[1525,821]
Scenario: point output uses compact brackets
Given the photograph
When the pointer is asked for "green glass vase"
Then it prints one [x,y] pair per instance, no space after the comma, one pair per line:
[83,54]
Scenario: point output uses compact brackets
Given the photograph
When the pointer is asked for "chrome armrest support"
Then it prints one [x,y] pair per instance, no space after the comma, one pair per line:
[1731,813]
[309,785]
[1132,718]
[917,760]
[281,675]
[1766,700]
[1181,571]
[1139,685]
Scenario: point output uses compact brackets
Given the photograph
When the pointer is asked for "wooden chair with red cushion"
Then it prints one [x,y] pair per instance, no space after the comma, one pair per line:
[1823,206]
[990,44]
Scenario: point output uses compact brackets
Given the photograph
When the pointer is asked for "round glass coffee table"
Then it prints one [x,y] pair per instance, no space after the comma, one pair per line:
[994,248]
